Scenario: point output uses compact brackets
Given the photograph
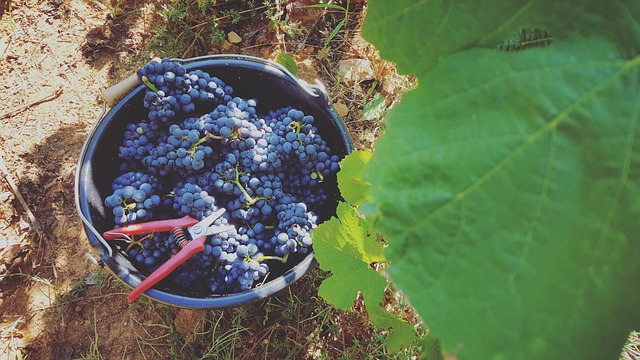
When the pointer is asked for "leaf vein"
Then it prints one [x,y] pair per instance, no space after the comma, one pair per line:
[483,85]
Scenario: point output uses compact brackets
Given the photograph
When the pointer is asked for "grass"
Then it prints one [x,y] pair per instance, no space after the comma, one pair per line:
[343,9]
[115,8]
[94,348]
[186,28]
[292,324]
[631,350]
[11,346]
[98,278]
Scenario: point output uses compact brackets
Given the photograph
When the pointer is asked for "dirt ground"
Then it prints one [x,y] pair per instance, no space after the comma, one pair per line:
[56,57]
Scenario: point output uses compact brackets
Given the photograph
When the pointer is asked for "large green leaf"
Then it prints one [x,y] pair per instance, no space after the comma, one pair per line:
[509,183]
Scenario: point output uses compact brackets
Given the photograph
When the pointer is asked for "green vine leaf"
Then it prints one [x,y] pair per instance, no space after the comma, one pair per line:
[344,246]
[403,332]
[509,182]
[375,108]
[288,62]
[354,189]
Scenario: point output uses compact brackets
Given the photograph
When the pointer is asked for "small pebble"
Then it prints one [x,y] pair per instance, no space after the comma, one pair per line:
[233,37]
[72,232]
[341,108]
[226,45]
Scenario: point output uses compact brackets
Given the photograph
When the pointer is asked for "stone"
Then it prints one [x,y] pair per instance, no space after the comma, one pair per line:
[226,46]
[73,233]
[233,37]
[341,109]
[355,70]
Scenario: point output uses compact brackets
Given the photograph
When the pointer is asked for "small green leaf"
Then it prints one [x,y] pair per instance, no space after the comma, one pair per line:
[287,62]
[402,333]
[345,246]
[375,108]
[354,189]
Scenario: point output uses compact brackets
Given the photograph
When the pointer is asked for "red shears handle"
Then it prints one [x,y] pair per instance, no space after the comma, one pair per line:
[149,227]
[194,246]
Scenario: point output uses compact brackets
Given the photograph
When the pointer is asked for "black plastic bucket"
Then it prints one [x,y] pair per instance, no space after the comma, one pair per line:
[273,87]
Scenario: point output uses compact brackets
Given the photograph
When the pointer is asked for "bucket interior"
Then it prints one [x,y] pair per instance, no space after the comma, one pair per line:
[273,88]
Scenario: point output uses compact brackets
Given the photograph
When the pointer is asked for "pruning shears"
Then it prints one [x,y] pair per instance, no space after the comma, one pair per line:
[197,232]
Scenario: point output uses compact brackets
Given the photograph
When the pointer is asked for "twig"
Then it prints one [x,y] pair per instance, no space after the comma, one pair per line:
[195,38]
[79,299]
[16,192]
[4,51]
[258,45]
[50,97]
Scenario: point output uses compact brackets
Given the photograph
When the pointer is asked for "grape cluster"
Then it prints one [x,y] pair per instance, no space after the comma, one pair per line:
[267,171]
[190,199]
[138,140]
[180,151]
[153,250]
[292,233]
[172,91]
[134,197]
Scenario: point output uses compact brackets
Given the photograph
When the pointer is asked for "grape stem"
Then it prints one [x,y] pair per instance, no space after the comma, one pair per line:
[294,125]
[145,80]
[317,174]
[207,136]
[139,241]
[127,207]
[255,200]
[250,200]
[269,257]
[236,182]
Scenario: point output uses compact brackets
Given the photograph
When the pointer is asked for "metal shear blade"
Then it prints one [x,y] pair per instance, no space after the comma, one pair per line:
[204,228]
[217,229]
